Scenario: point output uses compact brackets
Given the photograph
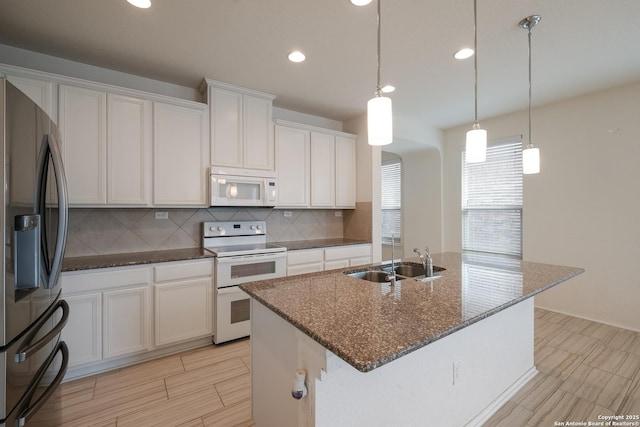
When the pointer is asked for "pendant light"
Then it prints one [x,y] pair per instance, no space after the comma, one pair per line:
[476,146]
[379,113]
[530,155]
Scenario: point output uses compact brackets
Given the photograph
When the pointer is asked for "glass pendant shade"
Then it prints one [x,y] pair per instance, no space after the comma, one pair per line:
[476,147]
[530,160]
[380,121]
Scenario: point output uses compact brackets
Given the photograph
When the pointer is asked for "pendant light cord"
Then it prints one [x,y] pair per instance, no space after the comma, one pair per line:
[475,62]
[530,145]
[378,91]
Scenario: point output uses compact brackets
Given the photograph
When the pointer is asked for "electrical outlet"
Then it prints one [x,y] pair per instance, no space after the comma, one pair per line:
[162,215]
[288,214]
[457,372]
[338,214]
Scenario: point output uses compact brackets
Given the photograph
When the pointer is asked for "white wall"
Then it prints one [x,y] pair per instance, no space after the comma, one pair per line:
[421,201]
[582,209]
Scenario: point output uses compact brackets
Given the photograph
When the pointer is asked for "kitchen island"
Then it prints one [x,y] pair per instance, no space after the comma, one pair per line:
[447,352]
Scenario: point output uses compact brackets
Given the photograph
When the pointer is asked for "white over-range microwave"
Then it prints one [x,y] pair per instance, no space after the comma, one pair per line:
[240,187]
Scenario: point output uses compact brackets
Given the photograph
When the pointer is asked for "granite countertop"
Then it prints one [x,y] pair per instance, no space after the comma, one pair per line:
[133,258]
[151,257]
[370,324]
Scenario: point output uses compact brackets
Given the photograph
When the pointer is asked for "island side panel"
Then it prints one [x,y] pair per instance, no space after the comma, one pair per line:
[274,360]
[493,357]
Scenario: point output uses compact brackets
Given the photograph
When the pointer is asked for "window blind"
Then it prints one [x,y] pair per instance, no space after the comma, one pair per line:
[391,203]
[492,200]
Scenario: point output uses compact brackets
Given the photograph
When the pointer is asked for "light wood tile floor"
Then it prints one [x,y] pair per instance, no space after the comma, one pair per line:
[585,369]
[206,387]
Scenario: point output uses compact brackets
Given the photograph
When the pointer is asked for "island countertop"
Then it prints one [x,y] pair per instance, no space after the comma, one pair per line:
[370,324]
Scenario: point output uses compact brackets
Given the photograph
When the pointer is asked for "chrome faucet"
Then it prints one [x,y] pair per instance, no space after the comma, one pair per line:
[427,262]
[391,276]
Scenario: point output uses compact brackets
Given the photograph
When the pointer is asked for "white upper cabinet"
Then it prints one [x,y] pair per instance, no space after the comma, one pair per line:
[345,172]
[315,167]
[83,126]
[322,170]
[292,166]
[181,153]
[241,126]
[128,150]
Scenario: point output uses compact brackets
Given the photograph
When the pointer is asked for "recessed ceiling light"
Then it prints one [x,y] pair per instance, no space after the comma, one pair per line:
[360,2]
[463,53]
[296,56]
[142,4]
[388,89]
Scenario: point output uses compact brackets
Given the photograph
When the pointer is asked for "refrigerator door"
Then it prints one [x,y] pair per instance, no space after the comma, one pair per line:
[35,366]
[35,198]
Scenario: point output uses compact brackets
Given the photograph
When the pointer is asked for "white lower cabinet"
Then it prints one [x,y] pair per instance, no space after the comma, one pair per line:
[126,325]
[83,331]
[347,256]
[314,260]
[305,261]
[183,311]
[123,315]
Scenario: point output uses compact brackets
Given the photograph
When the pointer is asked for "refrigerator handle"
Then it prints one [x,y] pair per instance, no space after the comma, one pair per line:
[27,349]
[27,412]
[50,145]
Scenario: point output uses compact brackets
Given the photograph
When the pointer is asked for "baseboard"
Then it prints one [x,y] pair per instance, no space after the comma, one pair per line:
[81,371]
[494,406]
[616,325]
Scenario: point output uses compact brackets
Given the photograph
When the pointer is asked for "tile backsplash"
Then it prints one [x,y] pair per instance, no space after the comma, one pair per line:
[107,231]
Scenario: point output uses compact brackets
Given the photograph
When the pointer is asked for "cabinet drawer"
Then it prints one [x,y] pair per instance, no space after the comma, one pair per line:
[304,269]
[306,256]
[342,252]
[183,270]
[100,279]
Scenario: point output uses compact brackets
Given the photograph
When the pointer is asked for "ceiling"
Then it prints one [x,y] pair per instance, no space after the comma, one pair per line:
[579,47]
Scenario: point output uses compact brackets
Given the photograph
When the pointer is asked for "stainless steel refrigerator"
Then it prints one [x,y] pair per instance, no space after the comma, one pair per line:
[33,359]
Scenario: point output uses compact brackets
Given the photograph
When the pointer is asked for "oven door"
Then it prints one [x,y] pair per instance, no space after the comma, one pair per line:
[233,319]
[235,270]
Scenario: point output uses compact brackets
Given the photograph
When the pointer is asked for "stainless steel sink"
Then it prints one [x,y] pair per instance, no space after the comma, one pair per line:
[404,270]
[411,269]
[372,276]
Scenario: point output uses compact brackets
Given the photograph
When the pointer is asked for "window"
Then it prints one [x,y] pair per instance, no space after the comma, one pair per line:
[492,200]
[391,174]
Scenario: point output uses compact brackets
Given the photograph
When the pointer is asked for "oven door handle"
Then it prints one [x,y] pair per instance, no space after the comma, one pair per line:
[261,257]
[230,290]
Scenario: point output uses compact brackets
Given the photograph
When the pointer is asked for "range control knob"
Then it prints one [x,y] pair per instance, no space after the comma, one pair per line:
[212,228]
[259,227]
[253,227]
[220,228]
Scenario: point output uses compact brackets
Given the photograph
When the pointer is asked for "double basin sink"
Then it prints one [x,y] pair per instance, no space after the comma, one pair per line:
[403,270]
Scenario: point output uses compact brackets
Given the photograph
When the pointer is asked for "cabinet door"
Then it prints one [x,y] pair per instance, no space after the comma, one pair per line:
[322,170]
[292,165]
[258,133]
[345,172]
[82,124]
[83,332]
[128,151]
[180,155]
[183,311]
[226,128]
[126,321]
